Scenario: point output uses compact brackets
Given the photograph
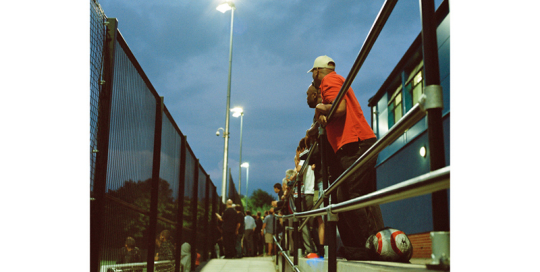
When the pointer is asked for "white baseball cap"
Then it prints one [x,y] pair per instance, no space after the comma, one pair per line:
[322,62]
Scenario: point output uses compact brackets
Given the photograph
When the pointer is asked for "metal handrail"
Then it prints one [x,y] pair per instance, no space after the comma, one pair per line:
[421,185]
[373,34]
[409,119]
[434,181]
[304,166]
[140,265]
[301,172]
[291,263]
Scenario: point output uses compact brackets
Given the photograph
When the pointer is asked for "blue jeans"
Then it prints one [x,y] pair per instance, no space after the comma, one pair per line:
[239,245]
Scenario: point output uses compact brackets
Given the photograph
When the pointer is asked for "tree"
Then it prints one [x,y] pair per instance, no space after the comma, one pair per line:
[260,199]
[122,222]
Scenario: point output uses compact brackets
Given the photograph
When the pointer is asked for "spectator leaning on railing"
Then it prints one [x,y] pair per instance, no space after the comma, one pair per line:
[313,98]
[308,190]
[350,136]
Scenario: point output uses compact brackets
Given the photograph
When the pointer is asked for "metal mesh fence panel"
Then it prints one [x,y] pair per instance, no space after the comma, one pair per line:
[169,171]
[201,210]
[121,223]
[97,39]
[128,181]
[132,126]
[188,195]
[129,168]
[233,194]
[212,230]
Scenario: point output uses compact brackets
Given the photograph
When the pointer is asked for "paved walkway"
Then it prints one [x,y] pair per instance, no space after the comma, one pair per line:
[259,264]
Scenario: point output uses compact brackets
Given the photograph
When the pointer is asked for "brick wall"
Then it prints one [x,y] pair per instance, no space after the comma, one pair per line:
[421,245]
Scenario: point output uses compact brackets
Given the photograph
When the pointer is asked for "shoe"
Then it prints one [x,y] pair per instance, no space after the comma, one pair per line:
[311,256]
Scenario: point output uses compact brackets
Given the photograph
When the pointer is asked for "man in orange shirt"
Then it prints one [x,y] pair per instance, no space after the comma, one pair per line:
[350,136]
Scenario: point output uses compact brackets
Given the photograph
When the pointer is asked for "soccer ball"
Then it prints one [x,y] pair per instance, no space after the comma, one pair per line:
[390,245]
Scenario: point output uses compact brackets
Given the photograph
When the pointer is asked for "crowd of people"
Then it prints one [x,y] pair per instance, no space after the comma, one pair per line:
[245,235]
[165,250]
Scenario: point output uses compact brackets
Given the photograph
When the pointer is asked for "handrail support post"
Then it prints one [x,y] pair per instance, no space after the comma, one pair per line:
[432,98]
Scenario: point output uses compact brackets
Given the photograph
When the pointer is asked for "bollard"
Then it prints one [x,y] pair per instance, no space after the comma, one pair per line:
[440,250]
[440,247]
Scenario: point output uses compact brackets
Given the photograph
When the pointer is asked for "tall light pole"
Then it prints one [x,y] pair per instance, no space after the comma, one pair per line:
[239,112]
[223,8]
[246,165]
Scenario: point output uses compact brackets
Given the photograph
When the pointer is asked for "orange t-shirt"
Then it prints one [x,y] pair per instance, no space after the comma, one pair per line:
[350,127]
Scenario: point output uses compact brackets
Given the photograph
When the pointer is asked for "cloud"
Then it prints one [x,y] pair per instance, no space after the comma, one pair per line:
[183,47]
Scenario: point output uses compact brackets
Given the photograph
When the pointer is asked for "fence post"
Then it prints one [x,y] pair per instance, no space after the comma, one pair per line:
[213,223]
[204,255]
[156,162]
[283,251]
[194,203]
[324,174]
[288,236]
[100,176]
[296,222]
[274,245]
[439,200]
[180,211]
[330,220]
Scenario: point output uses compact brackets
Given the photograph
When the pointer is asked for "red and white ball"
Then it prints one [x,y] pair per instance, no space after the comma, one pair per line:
[390,245]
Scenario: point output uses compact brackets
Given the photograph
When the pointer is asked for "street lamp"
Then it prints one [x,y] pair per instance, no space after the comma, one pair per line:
[223,8]
[246,165]
[239,112]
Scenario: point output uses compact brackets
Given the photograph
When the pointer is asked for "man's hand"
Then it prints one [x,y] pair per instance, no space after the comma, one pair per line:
[322,120]
[320,113]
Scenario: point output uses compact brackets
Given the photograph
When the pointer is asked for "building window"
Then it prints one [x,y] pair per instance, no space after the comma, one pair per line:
[395,107]
[415,84]
[374,119]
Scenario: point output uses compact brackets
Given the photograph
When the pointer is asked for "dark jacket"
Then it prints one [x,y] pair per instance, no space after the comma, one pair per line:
[133,256]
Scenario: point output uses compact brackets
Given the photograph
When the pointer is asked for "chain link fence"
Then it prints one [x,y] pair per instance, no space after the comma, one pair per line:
[97,39]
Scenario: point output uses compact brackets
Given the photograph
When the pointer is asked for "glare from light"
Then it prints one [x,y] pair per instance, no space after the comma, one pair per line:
[418,78]
[245,165]
[223,7]
[423,151]
[237,111]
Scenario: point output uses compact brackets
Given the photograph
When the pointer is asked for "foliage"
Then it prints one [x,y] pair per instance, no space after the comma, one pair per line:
[121,221]
[260,201]
[260,198]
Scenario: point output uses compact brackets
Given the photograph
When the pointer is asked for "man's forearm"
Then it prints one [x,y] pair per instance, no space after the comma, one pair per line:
[313,130]
[324,109]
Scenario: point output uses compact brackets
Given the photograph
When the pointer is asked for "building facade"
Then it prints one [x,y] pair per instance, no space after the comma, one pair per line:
[404,159]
